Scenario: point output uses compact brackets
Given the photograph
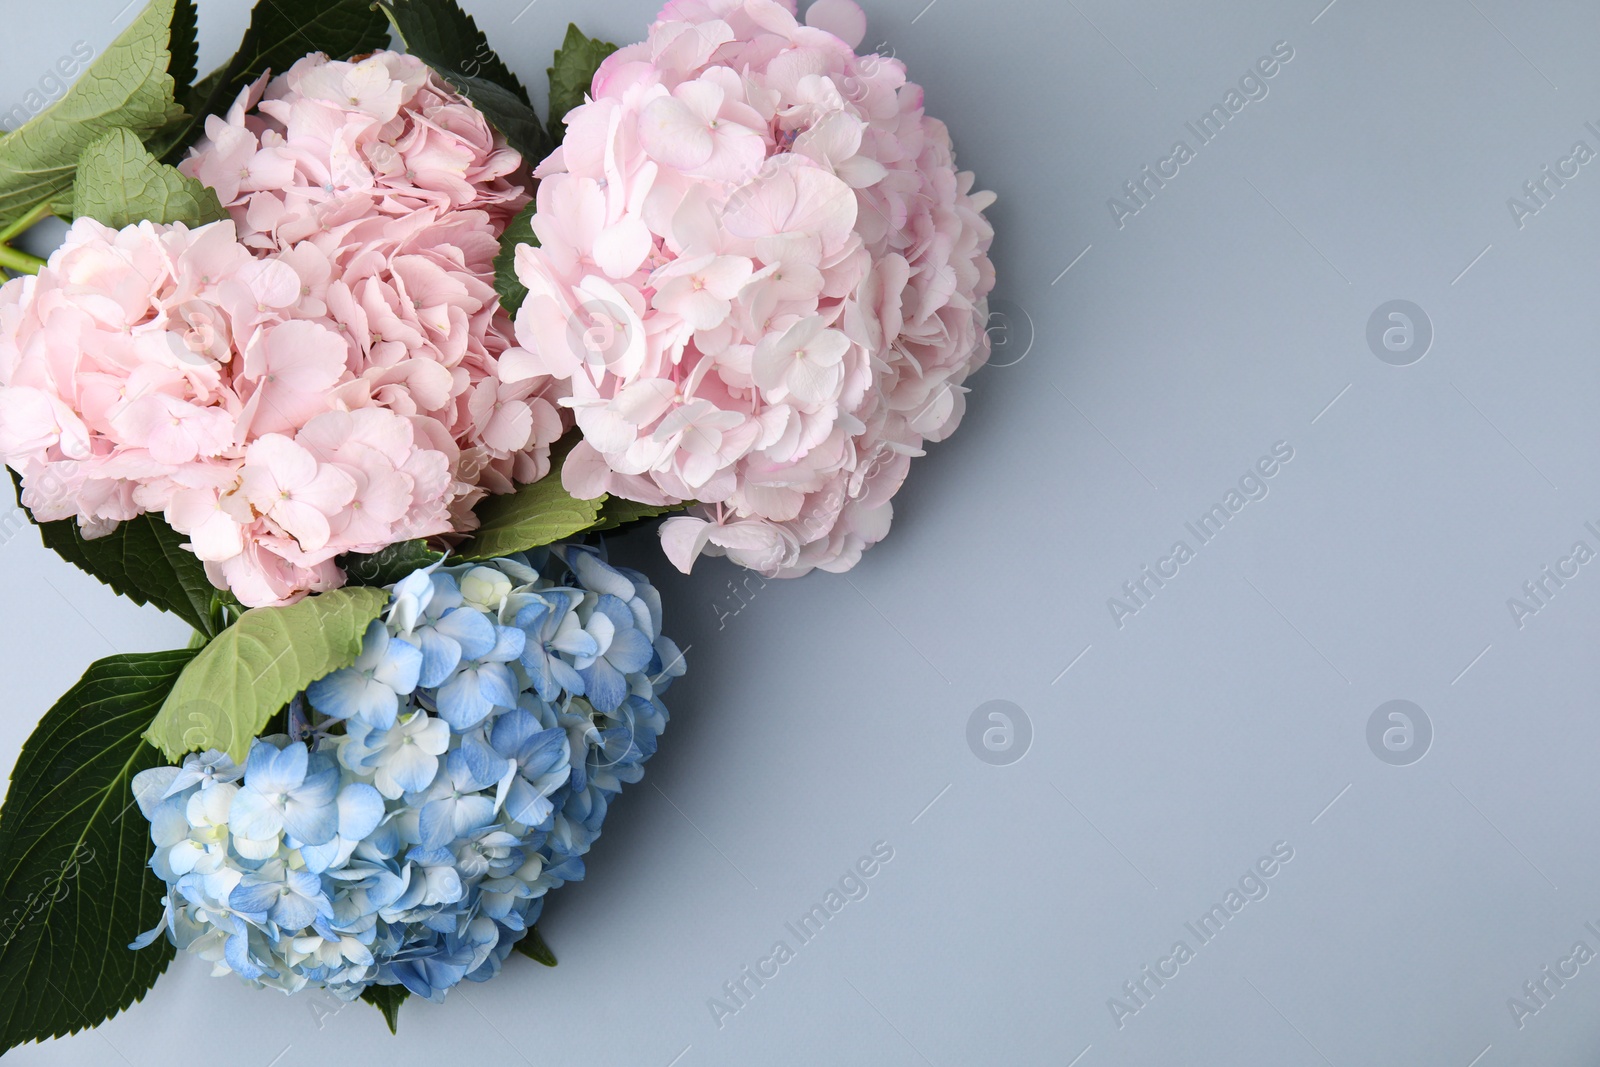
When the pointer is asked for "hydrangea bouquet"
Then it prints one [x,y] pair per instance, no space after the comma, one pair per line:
[346,360]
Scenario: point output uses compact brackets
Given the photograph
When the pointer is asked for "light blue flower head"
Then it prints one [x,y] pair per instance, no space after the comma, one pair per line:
[408,829]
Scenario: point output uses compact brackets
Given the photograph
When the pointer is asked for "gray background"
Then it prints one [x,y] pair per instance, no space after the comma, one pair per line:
[823,715]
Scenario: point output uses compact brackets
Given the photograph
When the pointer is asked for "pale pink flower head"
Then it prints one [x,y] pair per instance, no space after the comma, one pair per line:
[317,376]
[760,282]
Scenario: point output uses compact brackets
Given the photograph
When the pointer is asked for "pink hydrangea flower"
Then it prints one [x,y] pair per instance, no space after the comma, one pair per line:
[319,375]
[761,278]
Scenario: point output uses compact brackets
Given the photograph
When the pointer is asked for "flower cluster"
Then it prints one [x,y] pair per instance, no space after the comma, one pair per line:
[763,278]
[318,375]
[406,829]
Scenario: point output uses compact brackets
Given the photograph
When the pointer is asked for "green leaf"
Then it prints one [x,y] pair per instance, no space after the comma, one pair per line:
[281,32]
[143,559]
[387,999]
[127,87]
[390,565]
[619,512]
[446,38]
[537,514]
[119,184]
[184,44]
[534,948]
[572,76]
[519,231]
[254,667]
[72,852]
[517,122]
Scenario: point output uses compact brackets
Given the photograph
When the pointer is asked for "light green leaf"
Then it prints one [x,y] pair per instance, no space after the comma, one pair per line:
[119,184]
[127,87]
[74,889]
[254,667]
[538,514]
[572,76]
[518,232]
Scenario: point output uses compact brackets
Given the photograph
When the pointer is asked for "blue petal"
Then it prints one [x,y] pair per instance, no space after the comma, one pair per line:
[498,685]
[598,576]
[566,676]
[604,685]
[509,644]
[309,813]
[475,766]
[360,810]
[401,666]
[615,610]
[526,805]
[536,661]
[252,815]
[471,813]
[254,900]
[349,693]
[273,770]
[630,651]
[435,825]
[237,954]
[461,703]
[512,731]
[440,656]
[294,912]
[469,628]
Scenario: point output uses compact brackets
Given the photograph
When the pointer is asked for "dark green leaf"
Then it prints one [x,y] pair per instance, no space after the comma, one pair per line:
[387,999]
[72,856]
[446,38]
[126,87]
[120,184]
[619,512]
[537,514]
[572,76]
[184,45]
[516,121]
[519,231]
[281,32]
[143,559]
[252,669]
[443,36]
[534,948]
[390,565]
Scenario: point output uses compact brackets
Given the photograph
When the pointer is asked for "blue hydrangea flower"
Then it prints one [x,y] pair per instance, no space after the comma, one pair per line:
[408,829]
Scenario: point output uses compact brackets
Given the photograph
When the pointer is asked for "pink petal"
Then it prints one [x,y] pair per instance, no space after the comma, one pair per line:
[842,18]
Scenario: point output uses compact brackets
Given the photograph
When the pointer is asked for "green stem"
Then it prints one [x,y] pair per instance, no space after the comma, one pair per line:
[25,223]
[19,261]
